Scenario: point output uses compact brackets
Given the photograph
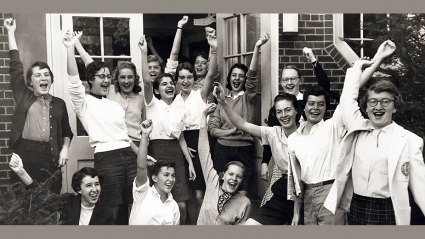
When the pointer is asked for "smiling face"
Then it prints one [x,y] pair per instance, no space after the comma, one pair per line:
[165,180]
[237,80]
[286,113]
[154,69]
[201,66]
[315,108]
[290,81]
[186,80]
[41,80]
[166,89]
[89,190]
[380,116]
[100,86]
[126,80]
[232,178]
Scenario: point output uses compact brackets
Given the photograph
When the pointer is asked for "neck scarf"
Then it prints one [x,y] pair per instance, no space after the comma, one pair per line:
[222,200]
[97,96]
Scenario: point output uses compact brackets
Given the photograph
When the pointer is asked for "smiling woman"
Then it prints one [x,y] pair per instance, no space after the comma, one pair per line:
[40,128]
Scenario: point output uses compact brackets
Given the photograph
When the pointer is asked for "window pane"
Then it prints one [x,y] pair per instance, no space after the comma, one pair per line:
[231,61]
[116,36]
[233,36]
[253,26]
[90,27]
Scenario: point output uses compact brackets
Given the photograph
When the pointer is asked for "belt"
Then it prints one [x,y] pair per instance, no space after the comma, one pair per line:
[320,184]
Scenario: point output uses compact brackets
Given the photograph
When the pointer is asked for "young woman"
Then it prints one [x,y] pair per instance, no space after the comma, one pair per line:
[103,119]
[166,134]
[148,208]
[278,210]
[192,103]
[223,203]
[81,209]
[40,131]
[232,143]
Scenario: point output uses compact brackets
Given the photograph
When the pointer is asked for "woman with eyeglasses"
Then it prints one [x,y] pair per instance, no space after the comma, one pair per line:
[104,120]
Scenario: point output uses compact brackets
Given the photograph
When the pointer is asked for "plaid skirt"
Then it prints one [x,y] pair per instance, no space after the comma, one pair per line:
[371,211]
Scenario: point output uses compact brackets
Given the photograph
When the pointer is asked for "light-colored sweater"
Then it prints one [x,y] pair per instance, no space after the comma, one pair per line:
[237,209]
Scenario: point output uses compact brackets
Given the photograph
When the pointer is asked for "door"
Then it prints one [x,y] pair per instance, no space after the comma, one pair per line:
[106,37]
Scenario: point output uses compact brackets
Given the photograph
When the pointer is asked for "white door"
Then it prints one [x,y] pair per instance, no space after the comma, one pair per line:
[106,37]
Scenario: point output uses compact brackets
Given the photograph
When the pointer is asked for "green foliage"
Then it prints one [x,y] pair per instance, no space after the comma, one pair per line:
[407,66]
[38,206]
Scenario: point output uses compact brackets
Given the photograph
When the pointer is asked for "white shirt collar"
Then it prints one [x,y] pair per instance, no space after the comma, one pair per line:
[156,193]
[236,96]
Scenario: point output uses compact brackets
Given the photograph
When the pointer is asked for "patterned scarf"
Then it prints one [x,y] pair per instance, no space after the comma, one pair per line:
[222,200]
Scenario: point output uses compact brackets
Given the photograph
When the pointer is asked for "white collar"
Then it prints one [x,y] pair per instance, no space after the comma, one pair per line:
[236,96]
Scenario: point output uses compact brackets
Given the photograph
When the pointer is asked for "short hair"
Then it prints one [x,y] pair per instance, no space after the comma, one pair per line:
[293,99]
[78,176]
[185,66]
[158,81]
[239,66]
[156,168]
[154,58]
[226,167]
[293,67]
[93,68]
[202,54]
[126,65]
[383,86]
[41,65]
[316,91]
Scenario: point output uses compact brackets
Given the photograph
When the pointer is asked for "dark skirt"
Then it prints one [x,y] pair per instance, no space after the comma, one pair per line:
[36,156]
[278,210]
[169,149]
[192,138]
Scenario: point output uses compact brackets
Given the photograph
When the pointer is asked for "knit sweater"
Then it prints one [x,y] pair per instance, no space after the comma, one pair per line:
[236,210]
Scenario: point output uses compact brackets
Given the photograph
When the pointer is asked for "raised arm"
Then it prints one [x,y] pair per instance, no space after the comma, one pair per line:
[10,25]
[69,42]
[254,61]
[80,49]
[385,49]
[142,154]
[321,76]
[147,83]
[236,119]
[204,146]
[17,167]
[153,50]
[174,55]
[209,78]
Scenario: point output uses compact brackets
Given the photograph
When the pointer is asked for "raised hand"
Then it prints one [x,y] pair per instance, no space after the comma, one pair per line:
[386,49]
[183,21]
[218,92]
[209,109]
[77,34]
[211,37]
[308,53]
[16,163]
[146,127]
[10,24]
[68,39]
[143,44]
[262,40]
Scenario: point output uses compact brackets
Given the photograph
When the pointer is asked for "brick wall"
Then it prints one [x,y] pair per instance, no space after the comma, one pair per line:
[316,32]
[6,106]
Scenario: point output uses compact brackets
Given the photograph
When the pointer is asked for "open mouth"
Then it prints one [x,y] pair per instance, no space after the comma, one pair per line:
[104,86]
[285,120]
[126,86]
[169,184]
[169,90]
[236,84]
[152,74]
[199,70]
[315,114]
[44,86]
[232,185]
[378,115]
[94,196]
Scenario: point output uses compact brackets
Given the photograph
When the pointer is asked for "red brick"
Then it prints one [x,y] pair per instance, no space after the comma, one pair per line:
[4,181]
[305,16]
[320,31]
[4,54]
[336,86]
[3,174]
[329,31]
[306,31]
[337,57]
[4,189]
[3,39]
[307,73]
[293,52]
[325,59]
[5,118]
[6,78]
[10,110]
[8,94]
[280,52]
[333,79]
[330,65]
[4,70]
[314,24]
[2,110]
[304,44]
[301,23]
[6,102]
[318,44]
[328,17]
[314,38]
[294,59]
[6,150]
[284,58]
[310,79]
[286,44]
[317,52]
[314,17]
[328,24]
[2,126]
[328,38]
[6,62]
[338,72]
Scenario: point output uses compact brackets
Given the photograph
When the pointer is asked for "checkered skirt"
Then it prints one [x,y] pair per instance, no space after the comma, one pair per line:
[371,211]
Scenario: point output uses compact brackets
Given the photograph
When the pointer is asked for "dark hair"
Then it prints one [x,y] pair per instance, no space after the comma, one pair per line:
[41,65]
[293,99]
[93,68]
[293,67]
[239,66]
[202,54]
[158,81]
[383,86]
[154,169]
[226,167]
[185,66]
[126,65]
[316,91]
[154,58]
[78,176]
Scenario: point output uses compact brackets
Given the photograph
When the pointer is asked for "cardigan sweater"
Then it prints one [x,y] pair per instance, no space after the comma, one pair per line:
[24,98]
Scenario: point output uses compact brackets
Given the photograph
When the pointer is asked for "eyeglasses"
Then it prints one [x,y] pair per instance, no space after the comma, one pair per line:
[102,76]
[292,79]
[384,102]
